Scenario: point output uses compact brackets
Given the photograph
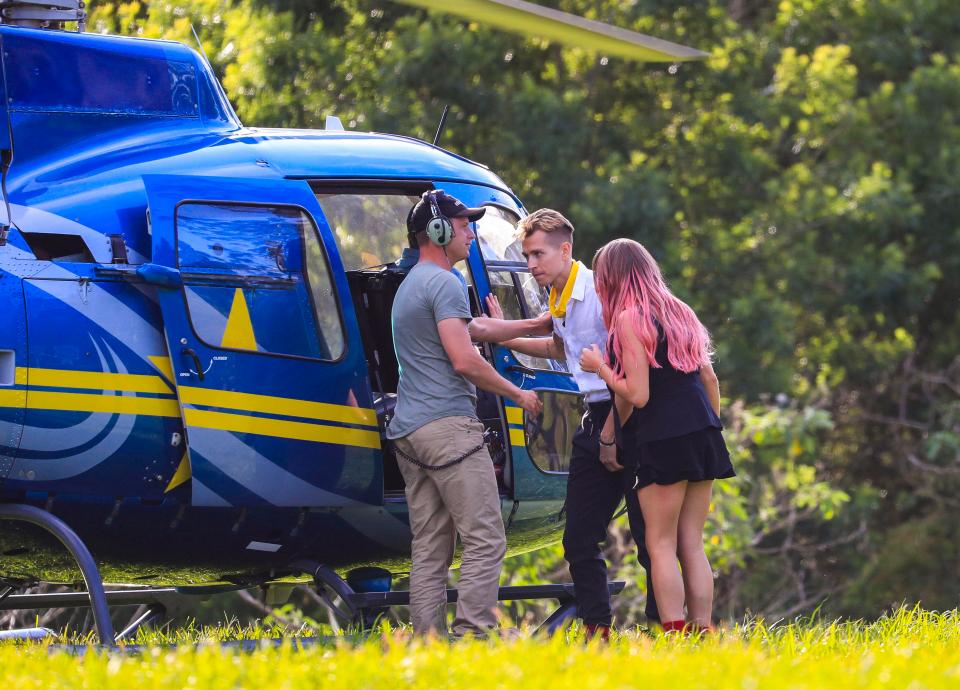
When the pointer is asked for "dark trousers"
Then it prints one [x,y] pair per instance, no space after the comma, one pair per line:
[593,494]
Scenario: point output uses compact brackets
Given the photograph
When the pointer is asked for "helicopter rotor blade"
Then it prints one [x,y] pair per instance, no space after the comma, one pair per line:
[529,19]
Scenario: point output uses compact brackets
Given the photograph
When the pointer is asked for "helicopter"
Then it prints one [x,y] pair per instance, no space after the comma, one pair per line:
[196,360]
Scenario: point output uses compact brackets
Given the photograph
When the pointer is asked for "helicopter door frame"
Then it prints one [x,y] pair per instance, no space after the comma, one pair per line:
[13,370]
[6,156]
[537,447]
[270,373]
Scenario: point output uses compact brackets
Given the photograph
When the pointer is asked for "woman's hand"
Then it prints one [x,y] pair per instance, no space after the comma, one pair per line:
[591,359]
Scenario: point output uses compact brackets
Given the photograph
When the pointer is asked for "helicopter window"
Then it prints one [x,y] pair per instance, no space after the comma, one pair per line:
[497,232]
[370,225]
[550,436]
[521,298]
[85,79]
[257,278]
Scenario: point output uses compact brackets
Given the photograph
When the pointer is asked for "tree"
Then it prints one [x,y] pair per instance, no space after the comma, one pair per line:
[799,189]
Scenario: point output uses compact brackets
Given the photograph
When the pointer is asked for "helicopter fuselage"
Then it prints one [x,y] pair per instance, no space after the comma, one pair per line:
[195,355]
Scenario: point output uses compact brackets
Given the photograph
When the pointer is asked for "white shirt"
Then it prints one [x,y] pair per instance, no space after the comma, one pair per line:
[581,327]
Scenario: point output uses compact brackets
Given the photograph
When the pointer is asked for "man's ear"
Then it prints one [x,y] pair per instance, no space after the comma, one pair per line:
[566,249]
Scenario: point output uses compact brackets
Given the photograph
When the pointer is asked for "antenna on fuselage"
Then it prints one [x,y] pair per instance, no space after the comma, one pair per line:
[200,45]
[443,121]
[43,14]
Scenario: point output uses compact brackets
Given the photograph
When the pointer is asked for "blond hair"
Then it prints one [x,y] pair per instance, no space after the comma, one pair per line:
[549,221]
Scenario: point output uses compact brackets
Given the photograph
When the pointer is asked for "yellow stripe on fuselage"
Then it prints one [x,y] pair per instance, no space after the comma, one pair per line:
[242,403]
[13,398]
[262,426]
[517,438]
[92,380]
[514,415]
[91,402]
[289,407]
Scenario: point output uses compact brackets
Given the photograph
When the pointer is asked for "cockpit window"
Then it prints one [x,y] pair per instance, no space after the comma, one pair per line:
[497,231]
[370,225]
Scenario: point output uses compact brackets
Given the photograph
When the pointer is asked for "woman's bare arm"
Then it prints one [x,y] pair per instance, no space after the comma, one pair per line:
[635,386]
[712,385]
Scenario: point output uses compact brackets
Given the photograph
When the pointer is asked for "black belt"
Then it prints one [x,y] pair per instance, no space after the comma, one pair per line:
[595,414]
[600,407]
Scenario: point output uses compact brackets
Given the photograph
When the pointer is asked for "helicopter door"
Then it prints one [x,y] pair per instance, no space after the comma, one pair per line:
[13,367]
[541,448]
[270,373]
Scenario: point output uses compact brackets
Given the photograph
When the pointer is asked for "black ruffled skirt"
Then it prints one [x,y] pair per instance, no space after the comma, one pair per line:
[693,457]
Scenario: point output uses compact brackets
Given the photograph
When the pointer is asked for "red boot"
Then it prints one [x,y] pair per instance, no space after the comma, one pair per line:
[597,631]
[679,626]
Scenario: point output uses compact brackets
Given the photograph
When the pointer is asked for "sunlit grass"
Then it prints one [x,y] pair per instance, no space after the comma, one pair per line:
[909,648]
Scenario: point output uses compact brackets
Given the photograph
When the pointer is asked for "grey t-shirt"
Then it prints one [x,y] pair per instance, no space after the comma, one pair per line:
[429,387]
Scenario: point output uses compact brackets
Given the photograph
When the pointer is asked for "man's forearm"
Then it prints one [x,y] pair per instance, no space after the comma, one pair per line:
[489,330]
[607,433]
[535,347]
[481,374]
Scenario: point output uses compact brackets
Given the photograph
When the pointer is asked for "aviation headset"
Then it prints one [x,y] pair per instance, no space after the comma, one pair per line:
[439,229]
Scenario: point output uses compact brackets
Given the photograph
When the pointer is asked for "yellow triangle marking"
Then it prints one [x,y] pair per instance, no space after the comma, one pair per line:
[163,365]
[182,474]
[239,331]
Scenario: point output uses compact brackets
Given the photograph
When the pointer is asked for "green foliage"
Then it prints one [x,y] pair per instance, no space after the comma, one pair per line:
[799,189]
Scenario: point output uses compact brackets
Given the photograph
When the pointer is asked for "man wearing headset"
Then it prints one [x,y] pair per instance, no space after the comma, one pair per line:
[451,487]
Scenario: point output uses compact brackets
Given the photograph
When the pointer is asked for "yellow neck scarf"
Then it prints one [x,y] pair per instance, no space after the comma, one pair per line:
[559,309]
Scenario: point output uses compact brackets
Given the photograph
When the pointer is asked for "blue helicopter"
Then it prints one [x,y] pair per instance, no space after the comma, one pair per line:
[196,362]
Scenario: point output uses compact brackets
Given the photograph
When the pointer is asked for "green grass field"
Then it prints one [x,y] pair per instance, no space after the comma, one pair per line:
[909,649]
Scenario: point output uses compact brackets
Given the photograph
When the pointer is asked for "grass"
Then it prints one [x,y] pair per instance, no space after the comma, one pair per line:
[908,649]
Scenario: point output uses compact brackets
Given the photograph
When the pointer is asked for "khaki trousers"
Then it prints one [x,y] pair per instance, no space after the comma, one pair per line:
[462,499]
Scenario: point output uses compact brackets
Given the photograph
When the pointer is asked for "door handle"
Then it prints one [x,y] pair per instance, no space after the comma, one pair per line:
[161,276]
[196,361]
[520,369]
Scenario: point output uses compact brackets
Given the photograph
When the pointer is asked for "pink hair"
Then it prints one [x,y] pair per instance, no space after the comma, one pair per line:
[633,294]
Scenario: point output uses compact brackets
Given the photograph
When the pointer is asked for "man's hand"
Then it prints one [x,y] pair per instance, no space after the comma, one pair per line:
[480,327]
[529,401]
[608,458]
[544,322]
[493,307]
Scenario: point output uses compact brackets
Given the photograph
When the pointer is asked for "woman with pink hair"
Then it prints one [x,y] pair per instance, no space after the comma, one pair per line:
[667,406]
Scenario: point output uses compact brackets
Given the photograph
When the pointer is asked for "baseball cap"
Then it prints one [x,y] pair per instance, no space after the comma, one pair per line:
[449,206]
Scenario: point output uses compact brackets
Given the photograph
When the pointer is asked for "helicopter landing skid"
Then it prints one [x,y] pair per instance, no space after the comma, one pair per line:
[347,606]
[363,608]
[81,554]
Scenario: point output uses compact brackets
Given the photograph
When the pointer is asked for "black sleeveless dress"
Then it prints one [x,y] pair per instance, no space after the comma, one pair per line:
[676,436]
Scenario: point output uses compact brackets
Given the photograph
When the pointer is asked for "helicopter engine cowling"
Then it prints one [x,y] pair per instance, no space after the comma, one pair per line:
[43,14]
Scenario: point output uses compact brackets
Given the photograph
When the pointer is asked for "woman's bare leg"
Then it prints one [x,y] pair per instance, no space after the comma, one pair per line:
[661,506]
[697,575]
